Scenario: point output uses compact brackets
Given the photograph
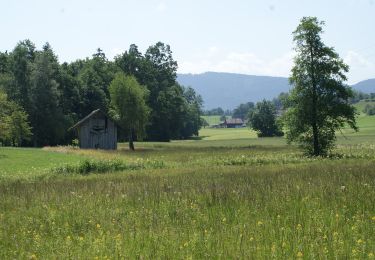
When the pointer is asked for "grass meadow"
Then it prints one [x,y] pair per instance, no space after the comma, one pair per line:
[226,195]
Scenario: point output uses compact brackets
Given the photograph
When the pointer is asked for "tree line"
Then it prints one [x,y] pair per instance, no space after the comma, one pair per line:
[50,96]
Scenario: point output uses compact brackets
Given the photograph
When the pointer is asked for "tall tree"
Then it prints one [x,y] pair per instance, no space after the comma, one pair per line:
[130,109]
[319,100]
[157,71]
[263,119]
[46,115]
[193,111]
[21,60]
[95,76]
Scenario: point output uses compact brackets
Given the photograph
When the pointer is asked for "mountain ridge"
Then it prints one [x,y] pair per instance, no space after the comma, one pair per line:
[228,90]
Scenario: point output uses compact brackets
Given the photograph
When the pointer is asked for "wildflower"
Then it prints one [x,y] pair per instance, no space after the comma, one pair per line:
[370,255]
[80,238]
[224,219]
[373,218]
[299,254]
[97,226]
[251,238]
[260,223]
[359,241]
[33,257]
[299,226]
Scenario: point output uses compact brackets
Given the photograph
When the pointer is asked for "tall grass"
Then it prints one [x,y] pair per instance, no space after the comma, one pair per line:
[182,201]
[313,211]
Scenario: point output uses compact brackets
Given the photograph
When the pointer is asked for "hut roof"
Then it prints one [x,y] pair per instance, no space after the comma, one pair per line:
[234,121]
[87,117]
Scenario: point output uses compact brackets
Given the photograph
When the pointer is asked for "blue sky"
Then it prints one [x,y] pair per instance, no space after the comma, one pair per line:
[243,36]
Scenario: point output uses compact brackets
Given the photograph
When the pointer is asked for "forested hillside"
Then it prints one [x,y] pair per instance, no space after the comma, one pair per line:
[54,96]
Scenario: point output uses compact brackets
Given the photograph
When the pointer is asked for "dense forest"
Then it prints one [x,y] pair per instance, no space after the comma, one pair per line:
[51,96]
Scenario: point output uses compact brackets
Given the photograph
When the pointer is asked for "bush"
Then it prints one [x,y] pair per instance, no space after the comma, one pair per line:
[105,166]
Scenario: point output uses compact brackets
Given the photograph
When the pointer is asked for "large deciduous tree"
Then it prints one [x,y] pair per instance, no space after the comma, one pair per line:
[130,109]
[319,101]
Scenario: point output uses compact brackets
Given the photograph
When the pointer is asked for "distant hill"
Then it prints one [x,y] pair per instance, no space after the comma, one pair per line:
[366,86]
[228,90]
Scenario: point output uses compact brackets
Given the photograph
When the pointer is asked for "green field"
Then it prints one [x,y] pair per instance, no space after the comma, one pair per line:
[227,195]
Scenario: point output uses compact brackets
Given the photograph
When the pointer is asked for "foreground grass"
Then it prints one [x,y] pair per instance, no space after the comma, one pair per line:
[312,210]
[218,198]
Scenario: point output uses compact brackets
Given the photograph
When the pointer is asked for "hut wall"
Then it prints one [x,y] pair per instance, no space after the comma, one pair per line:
[98,132]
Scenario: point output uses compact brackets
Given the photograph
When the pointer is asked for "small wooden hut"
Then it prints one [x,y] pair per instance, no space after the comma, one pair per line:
[96,131]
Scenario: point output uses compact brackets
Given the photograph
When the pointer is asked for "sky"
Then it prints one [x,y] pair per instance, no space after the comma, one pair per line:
[241,36]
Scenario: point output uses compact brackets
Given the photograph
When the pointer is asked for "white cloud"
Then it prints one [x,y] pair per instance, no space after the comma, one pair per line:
[214,59]
[238,62]
[360,67]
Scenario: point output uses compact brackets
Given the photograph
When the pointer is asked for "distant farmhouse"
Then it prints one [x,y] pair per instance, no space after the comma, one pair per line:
[231,123]
[97,131]
[234,123]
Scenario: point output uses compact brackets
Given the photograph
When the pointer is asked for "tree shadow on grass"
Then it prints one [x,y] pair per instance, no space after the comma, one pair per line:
[196,138]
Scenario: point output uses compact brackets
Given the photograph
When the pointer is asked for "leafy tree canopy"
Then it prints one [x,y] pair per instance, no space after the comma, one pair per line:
[128,102]
[319,101]
[263,120]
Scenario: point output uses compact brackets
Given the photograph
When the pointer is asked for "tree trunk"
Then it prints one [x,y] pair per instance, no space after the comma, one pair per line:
[131,144]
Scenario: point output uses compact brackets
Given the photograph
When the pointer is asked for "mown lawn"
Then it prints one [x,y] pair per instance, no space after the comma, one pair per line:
[222,197]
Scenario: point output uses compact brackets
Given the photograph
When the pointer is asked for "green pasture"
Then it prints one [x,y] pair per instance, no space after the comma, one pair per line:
[362,104]
[212,120]
[227,194]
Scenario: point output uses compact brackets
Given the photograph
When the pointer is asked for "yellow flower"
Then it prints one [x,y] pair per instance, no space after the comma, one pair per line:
[359,241]
[80,238]
[373,218]
[260,223]
[299,226]
[98,226]
[224,219]
[33,257]
[299,254]
[68,238]
[370,255]
[251,238]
